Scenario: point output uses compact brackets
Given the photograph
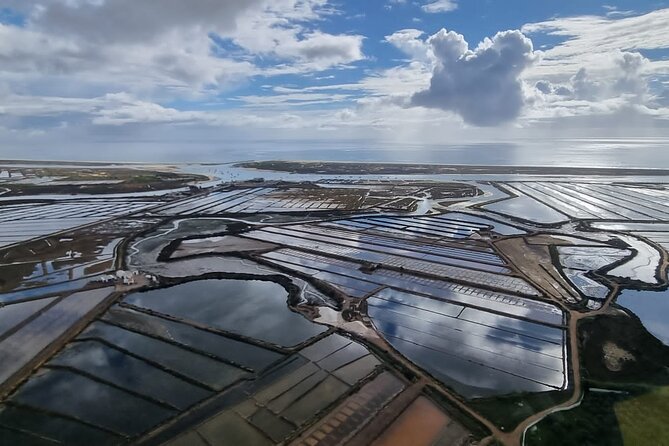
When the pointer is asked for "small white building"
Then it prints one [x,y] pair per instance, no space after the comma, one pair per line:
[107,278]
[127,277]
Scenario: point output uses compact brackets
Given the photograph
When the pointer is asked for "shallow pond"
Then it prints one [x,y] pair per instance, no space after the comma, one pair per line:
[652,307]
[527,208]
[145,250]
[641,267]
[253,308]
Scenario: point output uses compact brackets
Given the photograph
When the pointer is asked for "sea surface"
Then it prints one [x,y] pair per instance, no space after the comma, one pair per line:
[589,152]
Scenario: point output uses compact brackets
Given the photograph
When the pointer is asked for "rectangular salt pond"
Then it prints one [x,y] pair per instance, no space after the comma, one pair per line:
[620,204]
[503,282]
[55,428]
[433,225]
[475,352]
[442,222]
[459,219]
[18,349]
[347,278]
[355,411]
[358,286]
[574,200]
[320,397]
[407,228]
[595,200]
[128,372]
[192,366]
[276,428]
[420,424]
[357,370]
[634,199]
[229,429]
[624,226]
[41,220]
[415,301]
[293,394]
[606,208]
[417,225]
[517,327]
[283,401]
[527,208]
[648,197]
[352,352]
[586,285]
[49,290]
[468,378]
[482,222]
[454,293]
[193,205]
[493,338]
[235,203]
[82,398]
[13,315]
[549,199]
[352,225]
[657,237]
[395,245]
[240,353]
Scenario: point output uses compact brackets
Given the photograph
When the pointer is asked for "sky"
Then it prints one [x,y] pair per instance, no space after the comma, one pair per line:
[82,76]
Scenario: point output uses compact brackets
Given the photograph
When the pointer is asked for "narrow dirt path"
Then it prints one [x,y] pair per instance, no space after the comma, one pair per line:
[515,437]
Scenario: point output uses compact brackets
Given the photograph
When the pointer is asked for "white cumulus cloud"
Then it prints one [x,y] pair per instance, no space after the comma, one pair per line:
[168,48]
[409,41]
[593,41]
[438,6]
[482,85]
[625,84]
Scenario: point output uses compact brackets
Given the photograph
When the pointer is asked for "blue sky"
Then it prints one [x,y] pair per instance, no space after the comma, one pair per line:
[422,71]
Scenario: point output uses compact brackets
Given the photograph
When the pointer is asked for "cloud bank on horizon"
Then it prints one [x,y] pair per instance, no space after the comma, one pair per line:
[414,70]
